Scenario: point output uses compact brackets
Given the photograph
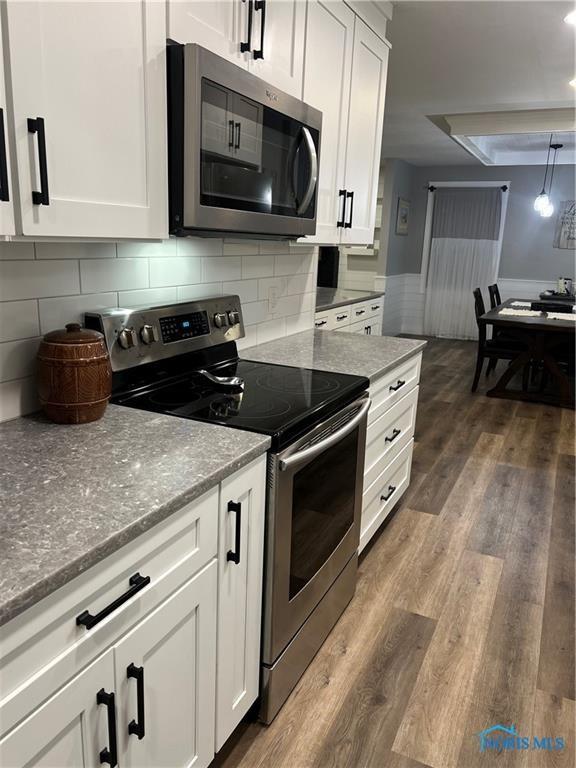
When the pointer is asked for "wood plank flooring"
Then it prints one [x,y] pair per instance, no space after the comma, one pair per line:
[464,611]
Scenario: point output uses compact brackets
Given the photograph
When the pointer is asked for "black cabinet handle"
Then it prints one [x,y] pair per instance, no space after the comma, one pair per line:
[395,433]
[260,5]
[341,317]
[391,489]
[320,323]
[374,307]
[399,384]
[109,754]
[350,196]
[237,143]
[137,728]
[246,46]
[342,194]
[37,126]
[234,555]
[368,330]
[359,312]
[88,620]
[230,134]
[4,193]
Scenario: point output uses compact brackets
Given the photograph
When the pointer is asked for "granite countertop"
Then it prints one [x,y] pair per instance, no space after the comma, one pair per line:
[369,356]
[329,298]
[71,495]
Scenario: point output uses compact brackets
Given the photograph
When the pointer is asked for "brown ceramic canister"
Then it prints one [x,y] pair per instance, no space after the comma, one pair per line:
[74,375]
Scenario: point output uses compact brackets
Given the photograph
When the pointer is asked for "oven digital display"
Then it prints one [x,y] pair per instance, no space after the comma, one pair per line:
[180,327]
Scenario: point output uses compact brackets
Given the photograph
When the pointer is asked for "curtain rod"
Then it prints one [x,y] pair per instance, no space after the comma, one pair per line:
[431,188]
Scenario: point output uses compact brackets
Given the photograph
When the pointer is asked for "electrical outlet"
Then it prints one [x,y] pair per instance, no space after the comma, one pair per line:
[273,297]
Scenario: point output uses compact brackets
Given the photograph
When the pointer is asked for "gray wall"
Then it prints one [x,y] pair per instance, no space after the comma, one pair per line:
[527,251]
[399,179]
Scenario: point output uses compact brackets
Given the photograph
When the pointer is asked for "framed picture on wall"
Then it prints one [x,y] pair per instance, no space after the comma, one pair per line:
[402,216]
[565,232]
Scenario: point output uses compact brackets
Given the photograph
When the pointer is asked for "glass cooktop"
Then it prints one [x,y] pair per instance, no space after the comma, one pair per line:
[276,400]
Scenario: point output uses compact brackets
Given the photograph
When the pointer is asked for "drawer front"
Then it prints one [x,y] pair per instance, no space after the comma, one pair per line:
[375,307]
[388,435]
[322,321]
[387,489]
[339,318]
[360,311]
[168,554]
[393,386]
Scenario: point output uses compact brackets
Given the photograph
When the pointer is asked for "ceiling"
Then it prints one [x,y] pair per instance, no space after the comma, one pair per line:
[460,57]
[524,148]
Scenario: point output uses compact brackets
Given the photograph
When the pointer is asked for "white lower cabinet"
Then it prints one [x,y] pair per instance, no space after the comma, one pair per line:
[141,682]
[71,729]
[240,568]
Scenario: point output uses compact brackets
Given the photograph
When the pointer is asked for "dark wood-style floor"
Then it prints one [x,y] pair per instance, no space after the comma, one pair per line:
[464,610]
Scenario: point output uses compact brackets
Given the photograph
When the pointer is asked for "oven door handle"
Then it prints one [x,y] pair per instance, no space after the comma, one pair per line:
[314,450]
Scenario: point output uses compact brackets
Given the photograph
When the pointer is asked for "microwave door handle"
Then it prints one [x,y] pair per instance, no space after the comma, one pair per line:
[309,453]
[312,181]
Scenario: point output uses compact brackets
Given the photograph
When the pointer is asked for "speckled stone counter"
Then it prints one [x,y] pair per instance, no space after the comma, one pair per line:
[71,495]
[330,298]
[369,356]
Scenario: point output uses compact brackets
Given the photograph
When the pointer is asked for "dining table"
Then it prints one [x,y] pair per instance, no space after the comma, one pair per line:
[546,344]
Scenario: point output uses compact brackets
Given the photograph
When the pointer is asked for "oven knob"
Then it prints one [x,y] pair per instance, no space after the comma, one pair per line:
[233,317]
[127,338]
[220,319]
[148,334]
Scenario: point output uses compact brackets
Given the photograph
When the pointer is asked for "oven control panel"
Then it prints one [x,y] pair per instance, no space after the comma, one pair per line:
[144,335]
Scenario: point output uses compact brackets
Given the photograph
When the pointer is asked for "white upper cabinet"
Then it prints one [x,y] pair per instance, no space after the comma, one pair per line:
[327,74]
[221,26]
[6,192]
[365,124]
[277,51]
[89,102]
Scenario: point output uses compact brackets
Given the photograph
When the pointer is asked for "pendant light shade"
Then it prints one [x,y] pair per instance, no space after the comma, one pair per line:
[543,204]
[541,201]
[547,210]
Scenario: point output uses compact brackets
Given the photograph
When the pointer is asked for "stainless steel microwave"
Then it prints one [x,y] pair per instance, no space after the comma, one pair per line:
[243,156]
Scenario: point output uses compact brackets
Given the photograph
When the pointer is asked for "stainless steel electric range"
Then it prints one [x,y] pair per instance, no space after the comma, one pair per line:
[182,360]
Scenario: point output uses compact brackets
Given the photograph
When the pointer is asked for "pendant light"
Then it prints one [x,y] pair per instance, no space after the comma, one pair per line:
[543,201]
[548,209]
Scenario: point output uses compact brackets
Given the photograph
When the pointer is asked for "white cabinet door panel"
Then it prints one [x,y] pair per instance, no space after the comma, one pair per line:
[239,596]
[369,69]
[95,73]
[283,52]
[70,729]
[327,73]
[175,648]
[218,25]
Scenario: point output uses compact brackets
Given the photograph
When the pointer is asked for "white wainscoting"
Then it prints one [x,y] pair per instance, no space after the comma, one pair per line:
[404,305]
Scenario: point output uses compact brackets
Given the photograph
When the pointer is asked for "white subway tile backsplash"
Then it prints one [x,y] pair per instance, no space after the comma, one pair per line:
[222,268]
[147,297]
[75,250]
[246,289]
[19,320]
[56,313]
[99,275]
[35,279]
[18,358]
[9,251]
[200,291]
[257,266]
[43,286]
[184,270]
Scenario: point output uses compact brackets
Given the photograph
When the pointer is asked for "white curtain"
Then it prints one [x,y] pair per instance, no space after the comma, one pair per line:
[463,256]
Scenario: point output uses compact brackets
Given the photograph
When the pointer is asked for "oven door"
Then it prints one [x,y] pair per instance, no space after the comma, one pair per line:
[251,153]
[313,521]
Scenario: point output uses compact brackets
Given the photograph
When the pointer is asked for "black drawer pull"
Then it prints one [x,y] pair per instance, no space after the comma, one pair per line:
[137,728]
[399,384]
[37,126]
[320,323]
[234,555]
[4,193]
[360,312]
[368,330]
[391,489]
[341,317]
[395,433]
[374,307]
[88,620]
[109,754]
[342,194]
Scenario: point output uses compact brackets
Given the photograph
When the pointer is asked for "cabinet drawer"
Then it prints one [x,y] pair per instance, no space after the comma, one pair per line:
[393,386]
[375,307]
[383,494]
[169,553]
[339,317]
[322,321]
[388,435]
[360,311]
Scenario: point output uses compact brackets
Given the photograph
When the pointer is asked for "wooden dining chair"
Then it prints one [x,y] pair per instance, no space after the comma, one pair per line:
[494,292]
[490,349]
